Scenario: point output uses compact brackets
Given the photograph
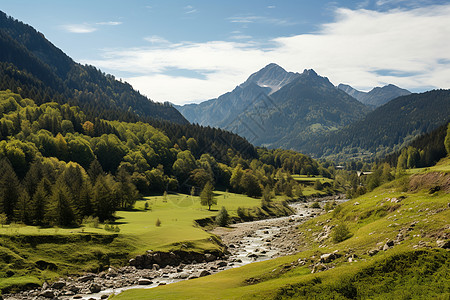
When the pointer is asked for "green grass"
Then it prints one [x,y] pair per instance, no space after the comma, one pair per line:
[402,272]
[75,250]
[311,179]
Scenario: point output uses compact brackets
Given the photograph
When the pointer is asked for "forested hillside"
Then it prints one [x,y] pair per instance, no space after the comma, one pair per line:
[58,166]
[386,129]
[33,67]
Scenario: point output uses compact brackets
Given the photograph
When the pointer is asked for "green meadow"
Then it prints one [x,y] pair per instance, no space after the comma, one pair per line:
[87,248]
[414,268]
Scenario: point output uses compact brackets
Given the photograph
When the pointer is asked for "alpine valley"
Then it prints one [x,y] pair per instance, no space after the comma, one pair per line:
[287,187]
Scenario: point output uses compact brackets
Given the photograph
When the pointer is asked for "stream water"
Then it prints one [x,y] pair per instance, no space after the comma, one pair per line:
[246,242]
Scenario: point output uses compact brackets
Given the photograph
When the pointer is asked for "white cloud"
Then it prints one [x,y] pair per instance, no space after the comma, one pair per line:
[409,48]
[261,19]
[189,9]
[86,27]
[241,37]
[156,39]
[110,23]
[79,28]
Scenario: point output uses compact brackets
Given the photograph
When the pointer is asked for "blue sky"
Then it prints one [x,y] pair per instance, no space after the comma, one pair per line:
[189,51]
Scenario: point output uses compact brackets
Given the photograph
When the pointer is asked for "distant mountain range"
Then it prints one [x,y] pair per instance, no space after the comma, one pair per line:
[276,108]
[306,112]
[377,96]
[386,129]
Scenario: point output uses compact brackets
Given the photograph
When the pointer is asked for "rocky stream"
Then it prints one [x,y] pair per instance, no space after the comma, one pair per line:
[246,243]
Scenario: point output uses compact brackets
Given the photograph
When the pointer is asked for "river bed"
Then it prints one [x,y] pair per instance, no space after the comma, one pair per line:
[246,242]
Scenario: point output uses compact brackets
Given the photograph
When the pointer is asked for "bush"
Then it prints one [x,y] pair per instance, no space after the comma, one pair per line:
[222,218]
[340,233]
[315,205]
[241,212]
[318,185]
[91,222]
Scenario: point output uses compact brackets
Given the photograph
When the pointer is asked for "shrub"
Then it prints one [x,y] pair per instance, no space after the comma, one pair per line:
[340,233]
[222,218]
[315,205]
[91,222]
[241,212]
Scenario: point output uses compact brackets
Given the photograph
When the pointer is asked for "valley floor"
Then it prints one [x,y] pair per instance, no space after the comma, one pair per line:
[396,247]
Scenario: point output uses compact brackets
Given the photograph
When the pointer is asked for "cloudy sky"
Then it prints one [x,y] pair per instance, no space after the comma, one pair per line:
[189,51]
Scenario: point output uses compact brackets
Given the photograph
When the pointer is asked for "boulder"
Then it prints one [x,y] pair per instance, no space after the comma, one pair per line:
[204,273]
[95,288]
[328,257]
[86,278]
[209,257]
[222,264]
[144,281]
[373,252]
[445,244]
[388,245]
[47,294]
[182,275]
[58,285]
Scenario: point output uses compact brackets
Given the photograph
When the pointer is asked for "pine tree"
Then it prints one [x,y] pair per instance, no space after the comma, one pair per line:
[39,203]
[10,188]
[22,213]
[95,170]
[103,198]
[207,196]
[126,191]
[60,209]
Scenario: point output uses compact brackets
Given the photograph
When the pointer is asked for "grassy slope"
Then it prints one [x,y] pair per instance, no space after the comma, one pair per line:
[82,249]
[405,271]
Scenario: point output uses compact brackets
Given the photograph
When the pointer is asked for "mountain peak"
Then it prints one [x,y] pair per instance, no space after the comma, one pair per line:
[309,72]
[377,96]
[272,76]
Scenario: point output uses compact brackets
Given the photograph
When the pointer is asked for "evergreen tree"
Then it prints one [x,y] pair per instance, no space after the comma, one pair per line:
[207,196]
[222,218]
[22,212]
[95,170]
[125,190]
[60,208]
[10,188]
[103,199]
[39,202]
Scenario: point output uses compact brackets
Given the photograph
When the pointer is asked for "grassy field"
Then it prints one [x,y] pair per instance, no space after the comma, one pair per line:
[73,250]
[311,179]
[414,268]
